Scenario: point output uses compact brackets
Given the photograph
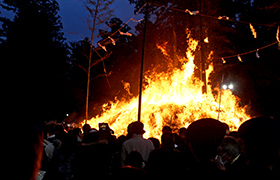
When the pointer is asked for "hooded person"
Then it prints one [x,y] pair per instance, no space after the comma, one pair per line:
[261,139]
[204,137]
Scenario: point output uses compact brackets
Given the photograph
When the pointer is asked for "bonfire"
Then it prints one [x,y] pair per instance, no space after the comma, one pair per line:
[174,99]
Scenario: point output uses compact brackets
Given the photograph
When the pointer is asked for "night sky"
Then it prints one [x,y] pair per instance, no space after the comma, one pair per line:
[73,15]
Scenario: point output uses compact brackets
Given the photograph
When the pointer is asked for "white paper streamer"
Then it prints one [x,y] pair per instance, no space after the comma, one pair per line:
[257,53]
[134,20]
[113,41]
[192,12]
[253,31]
[126,34]
[223,18]
[239,58]
[103,47]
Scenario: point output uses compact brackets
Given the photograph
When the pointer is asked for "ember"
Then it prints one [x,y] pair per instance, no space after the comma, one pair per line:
[174,99]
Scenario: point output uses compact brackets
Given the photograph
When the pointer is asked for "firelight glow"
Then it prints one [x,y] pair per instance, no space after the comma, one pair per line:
[173,99]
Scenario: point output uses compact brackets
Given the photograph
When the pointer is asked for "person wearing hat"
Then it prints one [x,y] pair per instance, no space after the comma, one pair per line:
[136,142]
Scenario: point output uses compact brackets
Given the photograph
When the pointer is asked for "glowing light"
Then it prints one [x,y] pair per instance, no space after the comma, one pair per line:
[230,86]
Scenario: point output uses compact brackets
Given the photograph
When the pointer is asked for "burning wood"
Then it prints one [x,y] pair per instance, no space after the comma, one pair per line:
[177,95]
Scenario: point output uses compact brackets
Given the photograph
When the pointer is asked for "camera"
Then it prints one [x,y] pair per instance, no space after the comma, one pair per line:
[103,127]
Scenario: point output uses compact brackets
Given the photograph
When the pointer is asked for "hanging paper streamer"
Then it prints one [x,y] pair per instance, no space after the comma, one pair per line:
[134,20]
[192,12]
[277,37]
[126,34]
[103,47]
[113,41]
[223,18]
[239,58]
[224,61]
[253,31]
[257,53]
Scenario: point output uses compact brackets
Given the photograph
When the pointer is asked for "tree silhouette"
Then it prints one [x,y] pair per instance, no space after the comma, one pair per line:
[33,45]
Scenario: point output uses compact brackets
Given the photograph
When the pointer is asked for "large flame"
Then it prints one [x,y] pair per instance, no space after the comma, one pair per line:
[174,99]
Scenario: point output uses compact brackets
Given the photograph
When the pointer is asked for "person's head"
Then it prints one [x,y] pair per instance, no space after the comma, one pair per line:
[28,153]
[205,136]
[130,172]
[166,129]
[134,158]
[70,142]
[136,127]
[48,130]
[77,131]
[167,140]
[155,141]
[183,132]
[93,135]
[59,129]
[227,128]
[229,149]
[261,137]
[86,128]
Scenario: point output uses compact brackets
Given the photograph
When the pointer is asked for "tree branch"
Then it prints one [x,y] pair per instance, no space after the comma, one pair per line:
[82,68]
[100,75]
[101,59]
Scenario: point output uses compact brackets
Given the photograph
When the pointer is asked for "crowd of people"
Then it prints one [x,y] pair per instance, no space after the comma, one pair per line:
[206,149]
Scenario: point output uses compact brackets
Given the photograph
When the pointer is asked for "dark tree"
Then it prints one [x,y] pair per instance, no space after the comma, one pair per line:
[256,79]
[121,65]
[33,44]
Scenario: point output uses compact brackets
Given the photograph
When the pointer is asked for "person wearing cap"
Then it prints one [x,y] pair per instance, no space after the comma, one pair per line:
[136,142]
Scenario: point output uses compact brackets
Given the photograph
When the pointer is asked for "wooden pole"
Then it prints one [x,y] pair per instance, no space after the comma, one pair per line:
[202,59]
[142,62]
[220,100]
[89,61]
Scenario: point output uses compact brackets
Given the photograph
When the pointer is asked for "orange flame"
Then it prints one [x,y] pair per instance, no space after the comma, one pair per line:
[172,99]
